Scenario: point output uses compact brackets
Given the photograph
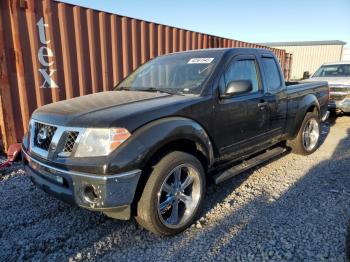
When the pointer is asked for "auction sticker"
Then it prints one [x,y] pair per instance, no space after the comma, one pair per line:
[206,60]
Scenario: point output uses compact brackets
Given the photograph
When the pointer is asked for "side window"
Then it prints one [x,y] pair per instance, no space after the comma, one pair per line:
[272,74]
[243,70]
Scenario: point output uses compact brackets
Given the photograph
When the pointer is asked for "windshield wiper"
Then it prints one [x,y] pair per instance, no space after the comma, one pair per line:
[122,88]
[161,90]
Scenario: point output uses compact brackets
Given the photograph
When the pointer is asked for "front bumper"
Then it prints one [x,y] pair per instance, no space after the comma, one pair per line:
[110,194]
[343,105]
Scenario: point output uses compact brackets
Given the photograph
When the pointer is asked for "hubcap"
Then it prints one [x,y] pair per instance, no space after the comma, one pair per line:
[311,134]
[179,196]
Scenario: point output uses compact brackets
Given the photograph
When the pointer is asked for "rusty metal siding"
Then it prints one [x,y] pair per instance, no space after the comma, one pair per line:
[7,124]
[51,51]
[288,61]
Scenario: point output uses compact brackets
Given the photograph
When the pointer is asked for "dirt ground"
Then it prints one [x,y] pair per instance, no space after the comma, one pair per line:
[292,208]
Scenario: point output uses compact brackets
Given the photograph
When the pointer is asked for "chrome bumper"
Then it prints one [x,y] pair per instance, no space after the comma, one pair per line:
[343,105]
[111,194]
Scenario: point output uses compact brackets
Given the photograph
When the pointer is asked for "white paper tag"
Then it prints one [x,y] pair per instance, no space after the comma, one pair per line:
[207,60]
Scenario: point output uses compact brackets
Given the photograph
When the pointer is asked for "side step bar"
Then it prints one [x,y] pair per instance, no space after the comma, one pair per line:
[247,164]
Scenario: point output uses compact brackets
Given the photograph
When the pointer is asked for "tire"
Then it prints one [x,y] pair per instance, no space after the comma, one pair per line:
[347,242]
[299,144]
[156,209]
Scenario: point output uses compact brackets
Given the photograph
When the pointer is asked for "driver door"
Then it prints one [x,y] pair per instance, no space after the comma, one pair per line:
[241,121]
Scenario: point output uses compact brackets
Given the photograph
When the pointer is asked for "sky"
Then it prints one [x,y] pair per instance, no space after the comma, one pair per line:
[246,20]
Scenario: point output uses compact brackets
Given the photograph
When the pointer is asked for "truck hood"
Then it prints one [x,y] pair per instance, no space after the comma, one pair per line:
[332,80]
[111,108]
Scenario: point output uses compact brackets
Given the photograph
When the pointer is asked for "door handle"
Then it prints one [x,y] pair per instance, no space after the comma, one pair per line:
[262,104]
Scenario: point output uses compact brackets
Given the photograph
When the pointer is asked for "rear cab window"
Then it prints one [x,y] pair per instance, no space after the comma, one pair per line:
[272,74]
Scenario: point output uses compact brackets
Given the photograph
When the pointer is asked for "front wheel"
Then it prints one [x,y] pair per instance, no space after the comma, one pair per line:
[173,194]
[307,140]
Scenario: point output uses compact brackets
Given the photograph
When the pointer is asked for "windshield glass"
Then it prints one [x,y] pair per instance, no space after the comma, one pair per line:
[178,73]
[333,71]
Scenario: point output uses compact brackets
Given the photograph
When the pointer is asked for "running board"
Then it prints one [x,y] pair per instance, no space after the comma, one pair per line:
[247,164]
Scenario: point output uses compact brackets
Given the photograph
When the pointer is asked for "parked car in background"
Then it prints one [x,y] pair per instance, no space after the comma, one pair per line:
[338,77]
[147,148]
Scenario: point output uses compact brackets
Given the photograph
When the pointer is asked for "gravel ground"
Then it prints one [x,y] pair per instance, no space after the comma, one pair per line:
[293,208]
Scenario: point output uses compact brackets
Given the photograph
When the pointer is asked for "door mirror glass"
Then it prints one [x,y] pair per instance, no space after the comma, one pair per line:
[238,87]
[306,75]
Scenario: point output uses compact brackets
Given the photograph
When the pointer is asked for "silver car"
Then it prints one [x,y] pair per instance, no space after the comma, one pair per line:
[338,76]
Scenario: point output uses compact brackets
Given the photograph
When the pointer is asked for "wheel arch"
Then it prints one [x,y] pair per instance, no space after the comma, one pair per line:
[154,140]
[309,103]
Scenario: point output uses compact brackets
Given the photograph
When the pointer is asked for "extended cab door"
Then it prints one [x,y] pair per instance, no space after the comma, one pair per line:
[241,121]
[275,95]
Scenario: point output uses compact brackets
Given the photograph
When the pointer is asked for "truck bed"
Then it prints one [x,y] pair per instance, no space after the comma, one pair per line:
[299,94]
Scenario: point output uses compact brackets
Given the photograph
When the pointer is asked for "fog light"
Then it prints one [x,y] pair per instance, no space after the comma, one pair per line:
[89,193]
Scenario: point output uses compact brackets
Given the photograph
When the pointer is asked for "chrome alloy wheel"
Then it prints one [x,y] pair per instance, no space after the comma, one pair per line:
[311,134]
[179,196]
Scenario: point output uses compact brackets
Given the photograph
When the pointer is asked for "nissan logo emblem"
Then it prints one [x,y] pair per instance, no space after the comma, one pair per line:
[42,136]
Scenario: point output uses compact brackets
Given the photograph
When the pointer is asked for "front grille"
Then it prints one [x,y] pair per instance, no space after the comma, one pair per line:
[338,93]
[70,141]
[43,135]
[336,97]
[337,89]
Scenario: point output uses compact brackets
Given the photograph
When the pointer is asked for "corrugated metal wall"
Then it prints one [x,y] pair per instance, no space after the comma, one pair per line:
[51,51]
[346,54]
[311,57]
[288,63]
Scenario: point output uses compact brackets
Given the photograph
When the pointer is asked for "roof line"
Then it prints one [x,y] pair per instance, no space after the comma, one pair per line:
[304,43]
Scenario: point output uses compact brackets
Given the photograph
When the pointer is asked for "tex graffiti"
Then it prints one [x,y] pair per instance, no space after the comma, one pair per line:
[44,55]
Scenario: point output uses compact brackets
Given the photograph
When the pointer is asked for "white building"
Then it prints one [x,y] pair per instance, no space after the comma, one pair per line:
[346,54]
[310,55]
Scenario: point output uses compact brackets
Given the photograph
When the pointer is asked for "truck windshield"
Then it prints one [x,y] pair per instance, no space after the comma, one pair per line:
[333,71]
[182,73]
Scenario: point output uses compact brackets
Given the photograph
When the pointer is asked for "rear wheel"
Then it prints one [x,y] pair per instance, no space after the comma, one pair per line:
[173,194]
[307,140]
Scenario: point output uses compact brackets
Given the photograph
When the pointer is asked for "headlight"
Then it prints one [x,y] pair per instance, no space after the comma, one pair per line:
[100,141]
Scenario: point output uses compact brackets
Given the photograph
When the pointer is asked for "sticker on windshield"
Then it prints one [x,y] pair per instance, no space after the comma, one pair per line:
[207,60]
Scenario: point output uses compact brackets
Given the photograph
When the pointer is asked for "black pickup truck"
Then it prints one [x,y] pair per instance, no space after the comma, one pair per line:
[148,148]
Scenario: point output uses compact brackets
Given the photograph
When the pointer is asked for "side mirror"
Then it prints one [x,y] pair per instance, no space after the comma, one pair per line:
[306,75]
[237,87]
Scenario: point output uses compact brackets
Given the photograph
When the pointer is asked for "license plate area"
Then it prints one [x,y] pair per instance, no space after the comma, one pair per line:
[48,174]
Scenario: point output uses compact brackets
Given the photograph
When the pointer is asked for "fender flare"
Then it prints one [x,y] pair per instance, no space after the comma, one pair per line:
[148,139]
[305,104]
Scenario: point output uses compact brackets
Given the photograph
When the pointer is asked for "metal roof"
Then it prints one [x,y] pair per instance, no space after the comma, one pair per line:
[305,43]
[338,63]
